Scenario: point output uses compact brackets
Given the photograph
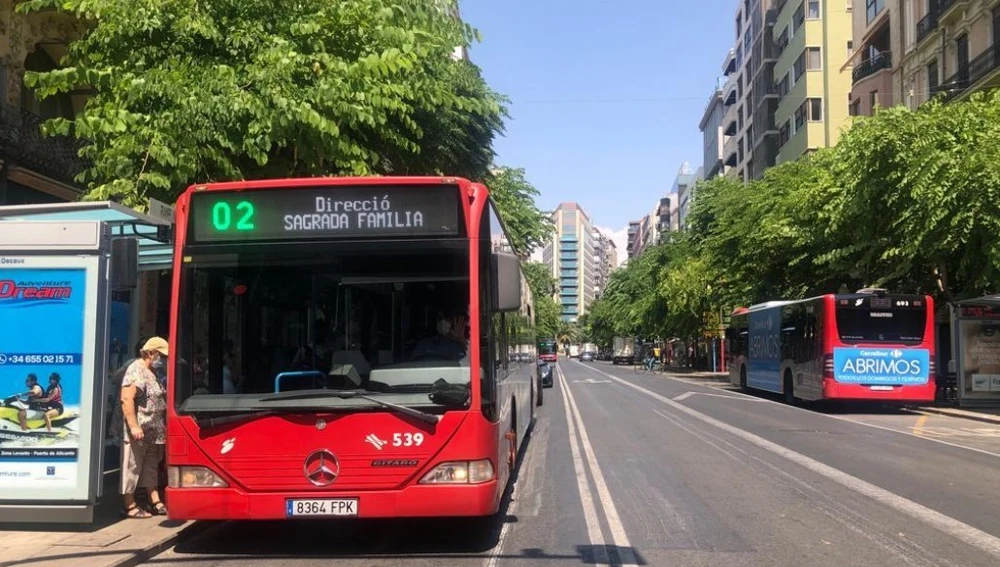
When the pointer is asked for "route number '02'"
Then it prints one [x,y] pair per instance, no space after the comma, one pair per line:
[222,216]
[407,439]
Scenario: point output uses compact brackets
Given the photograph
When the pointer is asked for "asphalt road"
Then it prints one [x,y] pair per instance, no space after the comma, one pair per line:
[652,470]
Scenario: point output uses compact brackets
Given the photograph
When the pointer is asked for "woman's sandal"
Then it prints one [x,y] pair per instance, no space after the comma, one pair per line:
[159,508]
[134,511]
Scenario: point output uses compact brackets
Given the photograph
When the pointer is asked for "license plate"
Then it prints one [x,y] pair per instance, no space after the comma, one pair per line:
[882,388]
[325,507]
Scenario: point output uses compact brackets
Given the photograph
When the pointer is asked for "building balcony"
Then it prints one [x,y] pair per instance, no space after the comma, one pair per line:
[941,11]
[867,68]
[948,10]
[926,25]
[981,72]
[22,142]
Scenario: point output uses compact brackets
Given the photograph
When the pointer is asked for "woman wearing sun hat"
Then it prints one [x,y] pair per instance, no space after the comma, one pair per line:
[144,409]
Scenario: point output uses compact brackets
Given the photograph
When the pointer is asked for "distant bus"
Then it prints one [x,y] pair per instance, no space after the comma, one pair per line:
[547,350]
[348,349]
[861,346]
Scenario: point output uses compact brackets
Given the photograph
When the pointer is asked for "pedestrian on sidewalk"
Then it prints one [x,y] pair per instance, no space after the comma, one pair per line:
[144,409]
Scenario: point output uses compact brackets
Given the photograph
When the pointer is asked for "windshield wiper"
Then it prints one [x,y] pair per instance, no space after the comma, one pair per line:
[351,394]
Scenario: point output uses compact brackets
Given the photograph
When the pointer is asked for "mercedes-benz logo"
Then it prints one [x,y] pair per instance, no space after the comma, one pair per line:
[321,467]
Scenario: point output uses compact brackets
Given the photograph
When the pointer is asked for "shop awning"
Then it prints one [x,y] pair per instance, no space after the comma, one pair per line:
[153,234]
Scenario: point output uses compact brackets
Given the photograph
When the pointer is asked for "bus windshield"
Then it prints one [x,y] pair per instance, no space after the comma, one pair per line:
[881,323]
[546,347]
[390,320]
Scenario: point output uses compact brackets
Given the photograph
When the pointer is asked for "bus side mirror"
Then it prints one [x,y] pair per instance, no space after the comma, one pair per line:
[507,270]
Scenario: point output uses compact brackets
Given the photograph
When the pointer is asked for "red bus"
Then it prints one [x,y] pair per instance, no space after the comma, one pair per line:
[345,347]
[547,350]
[869,345]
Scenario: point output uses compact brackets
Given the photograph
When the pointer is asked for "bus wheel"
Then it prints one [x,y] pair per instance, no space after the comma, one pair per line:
[789,388]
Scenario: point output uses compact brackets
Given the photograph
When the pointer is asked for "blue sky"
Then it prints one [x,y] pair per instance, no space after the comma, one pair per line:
[606,94]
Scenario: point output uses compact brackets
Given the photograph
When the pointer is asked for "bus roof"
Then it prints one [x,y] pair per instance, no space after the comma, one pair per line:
[276,183]
[769,304]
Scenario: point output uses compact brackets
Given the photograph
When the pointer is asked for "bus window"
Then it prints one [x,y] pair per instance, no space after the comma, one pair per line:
[857,324]
[393,320]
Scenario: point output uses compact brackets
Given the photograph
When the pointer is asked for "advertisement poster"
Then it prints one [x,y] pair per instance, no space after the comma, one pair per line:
[881,366]
[764,350]
[980,357]
[41,339]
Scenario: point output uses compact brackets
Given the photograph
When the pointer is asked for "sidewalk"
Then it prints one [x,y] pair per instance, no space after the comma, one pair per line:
[987,415]
[121,544]
[111,541]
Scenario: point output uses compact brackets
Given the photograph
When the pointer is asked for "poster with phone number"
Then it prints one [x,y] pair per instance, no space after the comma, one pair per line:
[42,314]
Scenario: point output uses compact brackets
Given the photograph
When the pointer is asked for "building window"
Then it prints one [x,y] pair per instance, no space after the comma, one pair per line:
[798,68]
[798,19]
[873,100]
[873,8]
[800,117]
[815,109]
[850,48]
[814,58]
[813,10]
[932,75]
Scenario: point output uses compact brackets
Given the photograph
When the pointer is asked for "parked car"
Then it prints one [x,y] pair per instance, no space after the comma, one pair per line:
[586,356]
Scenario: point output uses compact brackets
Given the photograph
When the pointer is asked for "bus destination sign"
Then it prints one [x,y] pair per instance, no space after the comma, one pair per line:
[335,211]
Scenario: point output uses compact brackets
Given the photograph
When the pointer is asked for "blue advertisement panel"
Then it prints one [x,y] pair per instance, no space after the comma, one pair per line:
[883,366]
[764,350]
[42,341]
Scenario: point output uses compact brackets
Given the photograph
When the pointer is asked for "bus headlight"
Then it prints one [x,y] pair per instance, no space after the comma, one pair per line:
[194,477]
[460,472]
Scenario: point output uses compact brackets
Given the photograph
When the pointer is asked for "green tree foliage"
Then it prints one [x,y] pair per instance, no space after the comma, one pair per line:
[597,325]
[543,289]
[188,91]
[907,200]
[921,197]
[515,198]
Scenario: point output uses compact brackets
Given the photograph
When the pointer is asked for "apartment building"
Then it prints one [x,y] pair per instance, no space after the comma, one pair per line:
[571,255]
[876,78]
[711,132]
[684,186]
[605,261]
[812,82]
[35,169]
[952,48]
[749,99]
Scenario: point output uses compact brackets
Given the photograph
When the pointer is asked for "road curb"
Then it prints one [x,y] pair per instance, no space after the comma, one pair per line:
[975,416]
[156,548]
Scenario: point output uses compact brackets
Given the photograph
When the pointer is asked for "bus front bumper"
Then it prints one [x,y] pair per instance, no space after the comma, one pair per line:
[411,502]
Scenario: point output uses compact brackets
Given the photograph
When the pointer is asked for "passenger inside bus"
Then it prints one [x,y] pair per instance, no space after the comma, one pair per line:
[451,340]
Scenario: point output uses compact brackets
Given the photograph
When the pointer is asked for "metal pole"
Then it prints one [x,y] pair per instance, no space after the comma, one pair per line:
[713,356]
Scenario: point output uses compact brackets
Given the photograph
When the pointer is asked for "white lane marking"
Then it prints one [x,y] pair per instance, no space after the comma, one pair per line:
[589,511]
[826,503]
[960,530]
[618,534]
[838,417]
[687,395]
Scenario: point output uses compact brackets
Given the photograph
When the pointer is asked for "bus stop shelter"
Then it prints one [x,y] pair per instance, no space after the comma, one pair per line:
[975,341]
[132,255]
[152,232]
